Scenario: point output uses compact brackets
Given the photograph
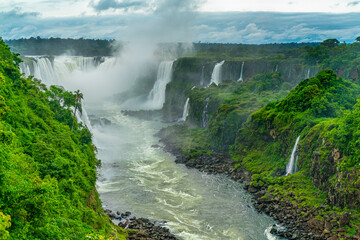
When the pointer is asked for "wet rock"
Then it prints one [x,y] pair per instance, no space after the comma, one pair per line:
[316,224]
[289,214]
[146,230]
[344,219]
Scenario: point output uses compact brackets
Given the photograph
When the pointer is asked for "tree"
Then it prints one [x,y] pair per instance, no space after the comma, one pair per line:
[330,42]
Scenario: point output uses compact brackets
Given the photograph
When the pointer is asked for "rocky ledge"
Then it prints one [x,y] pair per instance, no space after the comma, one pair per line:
[297,224]
[143,228]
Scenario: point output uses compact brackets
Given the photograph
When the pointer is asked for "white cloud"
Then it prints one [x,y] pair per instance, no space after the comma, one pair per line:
[324,6]
[166,24]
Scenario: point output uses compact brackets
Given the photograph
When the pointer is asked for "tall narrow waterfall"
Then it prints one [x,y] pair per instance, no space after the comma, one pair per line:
[202,81]
[156,98]
[186,110]
[216,74]
[85,118]
[82,117]
[277,67]
[291,166]
[308,73]
[241,72]
[205,115]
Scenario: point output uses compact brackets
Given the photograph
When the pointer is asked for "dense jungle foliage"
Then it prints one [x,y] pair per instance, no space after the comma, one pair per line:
[47,162]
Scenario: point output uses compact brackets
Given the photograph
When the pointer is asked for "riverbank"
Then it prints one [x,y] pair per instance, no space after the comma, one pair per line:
[140,228]
[300,220]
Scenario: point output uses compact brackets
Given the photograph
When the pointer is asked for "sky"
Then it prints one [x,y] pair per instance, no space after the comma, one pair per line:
[225,21]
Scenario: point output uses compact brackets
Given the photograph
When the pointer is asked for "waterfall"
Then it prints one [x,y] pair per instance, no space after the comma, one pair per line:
[24,68]
[216,74]
[186,110]
[82,117]
[308,74]
[156,98]
[85,118]
[202,81]
[291,166]
[58,69]
[289,75]
[241,72]
[54,71]
[205,115]
[276,68]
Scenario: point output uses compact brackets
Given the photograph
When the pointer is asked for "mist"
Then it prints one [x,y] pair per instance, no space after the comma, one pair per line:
[133,71]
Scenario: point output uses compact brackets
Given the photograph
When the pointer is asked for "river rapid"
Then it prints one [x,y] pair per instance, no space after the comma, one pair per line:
[139,177]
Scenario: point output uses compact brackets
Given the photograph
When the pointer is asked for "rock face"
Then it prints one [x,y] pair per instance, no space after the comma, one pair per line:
[189,72]
[144,228]
[301,222]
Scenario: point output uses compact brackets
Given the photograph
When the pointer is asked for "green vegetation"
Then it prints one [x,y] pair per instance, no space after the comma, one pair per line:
[257,122]
[59,46]
[47,163]
[233,51]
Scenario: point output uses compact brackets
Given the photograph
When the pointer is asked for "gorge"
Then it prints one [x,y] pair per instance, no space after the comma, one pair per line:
[244,128]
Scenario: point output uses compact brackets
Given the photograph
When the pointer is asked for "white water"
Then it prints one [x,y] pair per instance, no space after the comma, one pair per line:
[146,181]
[156,97]
[55,72]
[291,166]
[276,68]
[85,118]
[241,72]
[308,73]
[202,80]
[186,110]
[216,74]
[205,115]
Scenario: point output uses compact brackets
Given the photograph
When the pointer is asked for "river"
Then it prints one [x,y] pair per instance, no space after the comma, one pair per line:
[139,177]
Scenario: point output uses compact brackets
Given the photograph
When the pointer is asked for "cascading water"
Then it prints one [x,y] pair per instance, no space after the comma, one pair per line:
[54,71]
[308,73]
[241,72]
[137,177]
[24,68]
[216,74]
[277,67]
[291,166]
[85,118]
[289,75]
[156,98]
[202,81]
[186,110]
[205,115]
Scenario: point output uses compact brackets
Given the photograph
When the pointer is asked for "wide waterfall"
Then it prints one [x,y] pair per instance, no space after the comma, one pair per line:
[216,74]
[241,72]
[53,70]
[291,166]
[156,98]
[186,110]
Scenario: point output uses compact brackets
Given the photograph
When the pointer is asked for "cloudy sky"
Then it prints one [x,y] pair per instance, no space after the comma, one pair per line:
[235,21]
